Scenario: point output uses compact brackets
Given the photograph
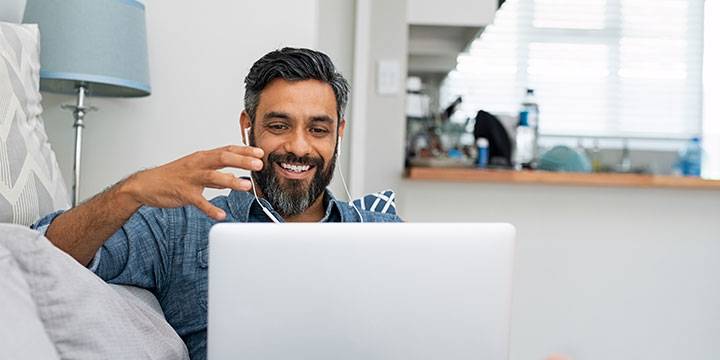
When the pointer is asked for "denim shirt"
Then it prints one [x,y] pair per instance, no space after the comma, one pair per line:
[166,252]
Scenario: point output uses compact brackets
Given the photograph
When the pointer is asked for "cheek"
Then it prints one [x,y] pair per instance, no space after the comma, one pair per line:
[269,145]
[326,151]
[328,158]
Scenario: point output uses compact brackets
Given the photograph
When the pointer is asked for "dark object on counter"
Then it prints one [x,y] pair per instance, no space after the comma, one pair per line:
[488,126]
[451,109]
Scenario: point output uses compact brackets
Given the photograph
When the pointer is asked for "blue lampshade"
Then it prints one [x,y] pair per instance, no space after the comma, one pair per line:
[101,43]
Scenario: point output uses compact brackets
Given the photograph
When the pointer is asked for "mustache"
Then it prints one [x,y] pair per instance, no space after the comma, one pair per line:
[316,161]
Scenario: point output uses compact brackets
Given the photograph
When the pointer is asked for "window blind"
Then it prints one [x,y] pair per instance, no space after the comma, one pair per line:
[610,68]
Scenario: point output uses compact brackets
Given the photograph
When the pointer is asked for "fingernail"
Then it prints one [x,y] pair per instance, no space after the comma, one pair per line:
[257,164]
[221,215]
[259,152]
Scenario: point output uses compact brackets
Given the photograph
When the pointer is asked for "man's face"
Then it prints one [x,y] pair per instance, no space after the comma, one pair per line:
[296,125]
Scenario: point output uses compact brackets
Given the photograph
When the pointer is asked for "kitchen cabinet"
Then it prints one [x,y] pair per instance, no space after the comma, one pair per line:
[439,30]
[473,13]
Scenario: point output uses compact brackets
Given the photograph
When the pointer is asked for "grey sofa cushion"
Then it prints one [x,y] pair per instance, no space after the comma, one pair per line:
[30,181]
[83,316]
[22,335]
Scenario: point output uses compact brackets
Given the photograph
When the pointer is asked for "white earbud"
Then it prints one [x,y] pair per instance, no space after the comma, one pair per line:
[339,167]
[246,139]
[246,142]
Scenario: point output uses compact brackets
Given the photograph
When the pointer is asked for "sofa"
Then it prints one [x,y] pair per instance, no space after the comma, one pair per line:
[52,307]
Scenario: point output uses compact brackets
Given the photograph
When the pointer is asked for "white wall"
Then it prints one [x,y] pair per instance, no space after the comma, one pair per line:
[335,37]
[200,53]
[336,33]
[599,273]
[378,131]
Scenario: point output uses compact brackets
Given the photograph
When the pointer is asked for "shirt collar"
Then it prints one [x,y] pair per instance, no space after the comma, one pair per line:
[242,204]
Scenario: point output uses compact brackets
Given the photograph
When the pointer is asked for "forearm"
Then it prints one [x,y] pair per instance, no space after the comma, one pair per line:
[81,231]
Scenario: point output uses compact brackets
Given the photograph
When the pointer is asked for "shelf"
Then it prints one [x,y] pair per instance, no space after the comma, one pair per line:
[556,178]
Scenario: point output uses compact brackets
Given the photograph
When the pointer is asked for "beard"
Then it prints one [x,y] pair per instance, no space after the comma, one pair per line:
[291,197]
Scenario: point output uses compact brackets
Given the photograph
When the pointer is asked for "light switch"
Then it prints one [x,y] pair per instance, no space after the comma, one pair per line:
[388,77]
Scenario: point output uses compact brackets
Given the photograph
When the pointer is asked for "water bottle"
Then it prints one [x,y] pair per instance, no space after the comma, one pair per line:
[529,109]
[690,162]
[526,134]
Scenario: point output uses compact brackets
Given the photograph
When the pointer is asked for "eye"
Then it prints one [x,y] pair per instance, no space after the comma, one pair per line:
[318,130]
[278,127]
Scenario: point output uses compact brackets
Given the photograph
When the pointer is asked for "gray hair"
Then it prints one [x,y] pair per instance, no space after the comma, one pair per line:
[294,64]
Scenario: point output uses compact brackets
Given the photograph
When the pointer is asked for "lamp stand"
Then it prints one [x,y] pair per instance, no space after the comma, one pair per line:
[79,110]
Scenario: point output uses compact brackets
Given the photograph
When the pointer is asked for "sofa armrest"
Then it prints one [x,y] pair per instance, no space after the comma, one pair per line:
[22,334]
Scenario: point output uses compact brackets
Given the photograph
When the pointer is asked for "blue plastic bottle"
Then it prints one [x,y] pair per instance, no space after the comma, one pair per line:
[691,158]
[483,152]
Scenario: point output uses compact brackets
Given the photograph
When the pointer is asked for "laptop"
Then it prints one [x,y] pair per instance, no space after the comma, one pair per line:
[360,291]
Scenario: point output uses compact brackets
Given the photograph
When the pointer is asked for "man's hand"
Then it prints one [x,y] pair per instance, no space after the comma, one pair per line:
[182,181]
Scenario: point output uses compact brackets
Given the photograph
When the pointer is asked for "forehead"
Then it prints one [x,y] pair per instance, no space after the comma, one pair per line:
[301,99]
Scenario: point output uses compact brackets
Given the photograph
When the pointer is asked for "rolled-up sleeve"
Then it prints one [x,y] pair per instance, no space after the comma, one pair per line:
[137,254]
[42,226]
[44,222]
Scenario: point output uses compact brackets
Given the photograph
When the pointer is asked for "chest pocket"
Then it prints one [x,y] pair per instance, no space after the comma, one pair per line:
[201,283]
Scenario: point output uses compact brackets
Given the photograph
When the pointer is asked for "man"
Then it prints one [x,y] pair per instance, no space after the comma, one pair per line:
[151,229]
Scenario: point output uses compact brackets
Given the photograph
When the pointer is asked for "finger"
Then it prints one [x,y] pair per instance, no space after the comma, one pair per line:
[230,159]
[244,150]
[209,209]
[217,158]
[218,180]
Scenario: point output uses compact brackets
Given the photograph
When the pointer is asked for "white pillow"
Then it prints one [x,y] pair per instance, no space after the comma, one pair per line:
[83,316]
[30,181]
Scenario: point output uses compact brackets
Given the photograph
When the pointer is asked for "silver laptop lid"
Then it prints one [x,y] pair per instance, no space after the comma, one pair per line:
[360,291]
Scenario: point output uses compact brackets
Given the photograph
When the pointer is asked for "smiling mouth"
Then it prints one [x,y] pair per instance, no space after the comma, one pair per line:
[295,171]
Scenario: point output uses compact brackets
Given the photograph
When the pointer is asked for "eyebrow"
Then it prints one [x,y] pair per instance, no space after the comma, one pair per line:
[286,116]
[322,119]
[277,115]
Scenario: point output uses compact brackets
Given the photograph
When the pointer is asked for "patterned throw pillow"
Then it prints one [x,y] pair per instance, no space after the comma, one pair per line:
[30,181]
[382,202]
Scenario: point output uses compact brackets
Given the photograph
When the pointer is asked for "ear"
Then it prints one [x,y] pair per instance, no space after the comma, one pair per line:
[341,133]
[244,123]
[341,128]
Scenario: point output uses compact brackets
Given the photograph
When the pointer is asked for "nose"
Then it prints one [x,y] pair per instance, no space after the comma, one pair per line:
[298,143]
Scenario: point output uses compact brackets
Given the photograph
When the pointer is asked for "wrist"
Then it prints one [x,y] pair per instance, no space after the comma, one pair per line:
[126,193]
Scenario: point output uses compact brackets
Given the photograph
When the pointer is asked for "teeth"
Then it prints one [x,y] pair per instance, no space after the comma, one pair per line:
[295,168]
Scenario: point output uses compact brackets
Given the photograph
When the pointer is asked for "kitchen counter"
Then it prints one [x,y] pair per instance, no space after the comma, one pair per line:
[559,178]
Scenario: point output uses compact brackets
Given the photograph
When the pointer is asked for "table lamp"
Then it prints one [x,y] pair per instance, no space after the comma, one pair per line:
[90,48]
